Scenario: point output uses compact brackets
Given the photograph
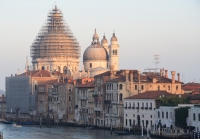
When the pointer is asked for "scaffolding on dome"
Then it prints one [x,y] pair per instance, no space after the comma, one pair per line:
[55,39]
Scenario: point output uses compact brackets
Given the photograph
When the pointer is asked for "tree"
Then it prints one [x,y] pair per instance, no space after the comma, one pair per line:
[180,116]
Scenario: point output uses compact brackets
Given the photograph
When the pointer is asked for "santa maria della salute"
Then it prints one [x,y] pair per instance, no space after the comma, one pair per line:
[56,49]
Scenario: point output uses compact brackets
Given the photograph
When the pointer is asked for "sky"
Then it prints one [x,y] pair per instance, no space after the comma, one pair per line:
[144,28]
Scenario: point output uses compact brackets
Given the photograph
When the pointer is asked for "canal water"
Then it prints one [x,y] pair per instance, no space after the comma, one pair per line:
[34,132]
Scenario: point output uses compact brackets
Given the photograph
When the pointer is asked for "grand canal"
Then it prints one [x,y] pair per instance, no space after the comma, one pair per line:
[34,132]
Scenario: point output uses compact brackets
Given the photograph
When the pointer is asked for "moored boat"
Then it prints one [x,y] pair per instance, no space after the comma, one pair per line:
[122,133]
[7,122]
[16,125]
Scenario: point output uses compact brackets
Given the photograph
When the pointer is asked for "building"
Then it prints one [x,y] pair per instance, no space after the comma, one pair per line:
[61,101]
[165,115]
[139,110]
[98,57]
[2,107]
[194,117]
[55,47]
[21,92]
[85,103]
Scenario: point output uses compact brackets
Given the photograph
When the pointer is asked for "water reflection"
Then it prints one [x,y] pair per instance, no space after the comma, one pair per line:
[34,132]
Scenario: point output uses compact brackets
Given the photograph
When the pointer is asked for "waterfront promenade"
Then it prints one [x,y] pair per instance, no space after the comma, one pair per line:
[34,132]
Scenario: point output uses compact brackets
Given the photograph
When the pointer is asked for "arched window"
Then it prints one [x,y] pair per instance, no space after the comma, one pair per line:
[135,87]
[43,68]
[142,87]
[116,52]
[158,87]
[120,96]
[113,52]
[168,87]
[120,86]
[177,87]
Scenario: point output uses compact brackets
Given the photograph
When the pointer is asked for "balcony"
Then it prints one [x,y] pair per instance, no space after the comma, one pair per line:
[150,108]
[133,107]
[83,110]
[142,108]
[95,95]
[137,108]
[83,98]
[125,107]
[97,109]
[129,107]
[114,101]
[146,108]
[107,101]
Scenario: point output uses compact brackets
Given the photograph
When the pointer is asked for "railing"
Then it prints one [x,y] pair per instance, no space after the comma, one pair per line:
[125,107]
[137,107]
[142,108]
[150,108]
[146,108]
[97,109]
[83,98]
[133,107]
[129,107]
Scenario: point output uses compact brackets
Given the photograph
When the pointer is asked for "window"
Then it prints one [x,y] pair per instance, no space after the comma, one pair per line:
[158,87]
[147,105]
[166,115]
[142,87]
[194,117]
[151,116]
[126,122]
[151,105]
[69,98]
[162,114]
[168,87]
[177,87]
[129,122]
[120,97]
[90,65]
[158,114]
[135,87]
[120,86]
[199,117]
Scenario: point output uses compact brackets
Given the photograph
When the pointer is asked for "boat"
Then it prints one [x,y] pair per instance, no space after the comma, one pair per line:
[16,125]
[27,123]
[122,132]
[7,122]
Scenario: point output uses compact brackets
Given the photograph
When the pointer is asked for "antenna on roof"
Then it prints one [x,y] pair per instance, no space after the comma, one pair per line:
[156,58]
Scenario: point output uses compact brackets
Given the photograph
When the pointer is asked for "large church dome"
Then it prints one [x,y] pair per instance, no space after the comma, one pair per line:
[95,51]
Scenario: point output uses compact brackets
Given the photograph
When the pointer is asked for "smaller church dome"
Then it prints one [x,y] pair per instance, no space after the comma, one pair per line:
[104,40]
[114,38]
[95,36]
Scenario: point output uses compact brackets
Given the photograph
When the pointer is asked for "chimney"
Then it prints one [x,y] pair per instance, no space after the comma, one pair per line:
[178,77]
[173,76]
[166,73]
[138,76]
[131,76]
[127,72]
[161,72]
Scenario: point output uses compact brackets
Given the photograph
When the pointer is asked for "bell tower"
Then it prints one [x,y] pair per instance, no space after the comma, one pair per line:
[114,52]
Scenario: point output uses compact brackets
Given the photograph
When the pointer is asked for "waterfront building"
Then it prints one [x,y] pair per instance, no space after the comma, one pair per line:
[21,92]
[139,110]
[61,101]
[2,107]
[165,115]
[43,98]
[55,47]
[194,117]
[85,103]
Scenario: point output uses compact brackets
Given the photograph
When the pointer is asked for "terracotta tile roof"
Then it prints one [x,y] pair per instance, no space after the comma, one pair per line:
[86,85]
[150,95]
[49,82]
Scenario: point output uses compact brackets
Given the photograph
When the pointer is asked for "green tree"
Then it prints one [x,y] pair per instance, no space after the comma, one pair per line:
[180,116]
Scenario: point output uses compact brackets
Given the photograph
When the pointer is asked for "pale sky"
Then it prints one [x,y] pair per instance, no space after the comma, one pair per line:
[170,28]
